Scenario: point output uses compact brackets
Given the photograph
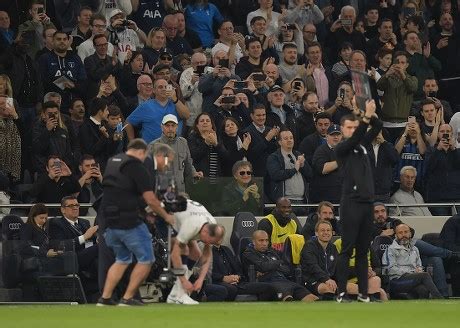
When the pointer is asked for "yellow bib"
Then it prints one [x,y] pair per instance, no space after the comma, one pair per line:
[279,233]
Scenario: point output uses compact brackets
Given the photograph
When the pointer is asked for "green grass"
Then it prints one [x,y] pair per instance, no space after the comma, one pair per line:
[394,314]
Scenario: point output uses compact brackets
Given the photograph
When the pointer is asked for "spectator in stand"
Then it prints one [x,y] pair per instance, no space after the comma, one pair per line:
[150,114]
[327,179]
[165,71]
[202,17]
[342,31]
[254,61]
[235,142]
[384,61]
[10,148]
[422,64]
[273,270]
[62,71]
[259,31]
[110,92]
[383,156]
[341,67]
[279,114]
[149,14]
[289,69]
[144,92]
[100,65]
[90,182]
[288,173]
[7,35]
[385,39]
[289,34]
[230,42]
[318,260]
[182,167]
[431,91]
[51,136]
[98,26]
[406,194]
[56,183]
[132,69]
[411,147]
[105,8]
[188,34]
[405,267]
[189,80]
[124,34]
[305,120]
[211,84]
[320,74]
[271,17]
[442,171]
[82,31]
[281,223]
[48,34]
[113,119]
[303,12]
[371,18]
[94,138]
[447,50]
[77,115]
[309,34]
[176,44]
[432,118]
[311,142]
[224,107]
[343,104]
[263,140]
[324,212]
[399,88]
[155,45]
[242,194]
[206,150]
[32,29]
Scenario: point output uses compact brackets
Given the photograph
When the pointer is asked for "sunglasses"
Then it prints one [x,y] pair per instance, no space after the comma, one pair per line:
[245,173]
[166,58]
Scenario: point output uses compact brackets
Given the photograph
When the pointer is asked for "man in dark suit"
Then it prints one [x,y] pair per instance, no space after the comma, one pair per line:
[263,140]
[311,142]
[70,227]
[227,272]
[94,138]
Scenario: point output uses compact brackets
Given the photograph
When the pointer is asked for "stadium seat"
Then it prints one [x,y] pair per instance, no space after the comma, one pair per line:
[244,225]
[11,268]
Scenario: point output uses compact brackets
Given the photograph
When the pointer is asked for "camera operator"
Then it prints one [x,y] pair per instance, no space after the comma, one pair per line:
[126,180]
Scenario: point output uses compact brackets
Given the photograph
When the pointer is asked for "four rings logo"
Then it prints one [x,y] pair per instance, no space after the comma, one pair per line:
[14,226]
[247,224]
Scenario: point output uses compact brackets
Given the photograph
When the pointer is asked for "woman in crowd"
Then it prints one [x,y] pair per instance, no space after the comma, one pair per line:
[156,43]
[235,144]
[130,73]
[10,144]
[242,194]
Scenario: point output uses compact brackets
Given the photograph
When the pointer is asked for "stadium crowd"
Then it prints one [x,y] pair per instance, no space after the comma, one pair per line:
[240,89]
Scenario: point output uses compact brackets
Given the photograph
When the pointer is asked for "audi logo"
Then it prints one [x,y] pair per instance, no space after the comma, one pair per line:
[247,224]
[14,226]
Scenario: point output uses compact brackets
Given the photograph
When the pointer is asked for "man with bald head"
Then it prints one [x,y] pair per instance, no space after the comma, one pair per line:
[281,223]
[442,173]
[144,92]
[270,268]
[189,86]
[175,43]
[405,269]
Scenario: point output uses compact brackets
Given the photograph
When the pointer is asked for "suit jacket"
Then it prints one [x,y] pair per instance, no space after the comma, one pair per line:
[60,229]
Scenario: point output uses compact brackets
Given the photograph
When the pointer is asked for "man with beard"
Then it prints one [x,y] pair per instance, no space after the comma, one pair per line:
[325,212]
[281,223]
[405,269]
[62,71]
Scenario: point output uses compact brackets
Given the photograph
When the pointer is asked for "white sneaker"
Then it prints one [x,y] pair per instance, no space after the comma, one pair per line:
[184,299]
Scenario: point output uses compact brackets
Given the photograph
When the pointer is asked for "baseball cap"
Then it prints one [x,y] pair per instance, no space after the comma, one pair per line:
[276,88]
[169,118]
[333,129]
[116,12]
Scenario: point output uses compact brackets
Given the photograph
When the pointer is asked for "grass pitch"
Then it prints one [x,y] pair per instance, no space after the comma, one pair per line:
[391,314]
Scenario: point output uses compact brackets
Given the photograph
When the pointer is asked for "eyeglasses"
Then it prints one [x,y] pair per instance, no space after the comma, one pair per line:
[146,84]
[245,173]
[73,206]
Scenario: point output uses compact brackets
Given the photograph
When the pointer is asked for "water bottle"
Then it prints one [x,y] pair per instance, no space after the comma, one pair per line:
[429,269]
[251,273]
